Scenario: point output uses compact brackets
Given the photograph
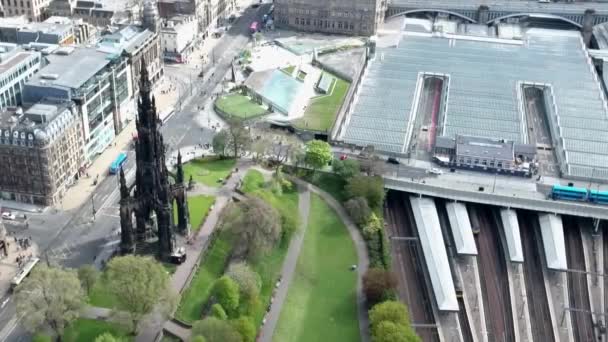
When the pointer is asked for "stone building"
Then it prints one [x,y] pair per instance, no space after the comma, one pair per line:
[209,13]
[350,17]
[33,9]
[40,152]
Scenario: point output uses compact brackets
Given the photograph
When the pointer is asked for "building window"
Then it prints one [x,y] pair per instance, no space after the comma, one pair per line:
[352,27]
[308,22]
[297,21]
[339,24]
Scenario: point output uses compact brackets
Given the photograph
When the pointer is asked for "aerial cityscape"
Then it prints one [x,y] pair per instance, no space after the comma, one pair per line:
[303,170]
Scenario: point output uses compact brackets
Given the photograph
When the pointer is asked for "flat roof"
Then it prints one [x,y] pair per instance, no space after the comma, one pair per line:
[512,234]
[435,254]
[478,105]
[461,228]
[479,147]
[552,231]
[71,70]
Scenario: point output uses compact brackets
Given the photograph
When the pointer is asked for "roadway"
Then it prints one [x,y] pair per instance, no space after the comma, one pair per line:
[74,238]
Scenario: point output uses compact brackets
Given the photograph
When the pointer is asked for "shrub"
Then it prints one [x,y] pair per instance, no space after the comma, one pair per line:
[358,209]
[378,285]
[226,292]
[218,311]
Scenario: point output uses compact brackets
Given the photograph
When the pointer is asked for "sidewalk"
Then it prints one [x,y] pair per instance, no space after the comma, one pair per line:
[84,188]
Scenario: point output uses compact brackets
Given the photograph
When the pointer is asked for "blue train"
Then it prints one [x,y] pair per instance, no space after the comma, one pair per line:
[571,193]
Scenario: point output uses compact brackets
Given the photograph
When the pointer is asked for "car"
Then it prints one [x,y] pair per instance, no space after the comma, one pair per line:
[392,160]
[343,157]
[7,215]
[434,171]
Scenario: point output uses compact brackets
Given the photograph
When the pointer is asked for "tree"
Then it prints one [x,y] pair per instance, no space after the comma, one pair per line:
[239,137]
[107,337]
[88,275]
[199,339]
[318,154]
[226,292]
[372,227]
[249,281]
[244,325]
[391,311]
[140,285]
[259,148]
[370,187]
[358,210]
[346,168]
[378,284]
[217,311]
[388,331]
[220,143]
[257,225]
[216,330]
[51,297]
[41,338]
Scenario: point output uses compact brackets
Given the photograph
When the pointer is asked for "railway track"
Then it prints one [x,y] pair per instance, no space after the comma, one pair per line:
[538,305]
[494,278]
[582,323]
[408,265]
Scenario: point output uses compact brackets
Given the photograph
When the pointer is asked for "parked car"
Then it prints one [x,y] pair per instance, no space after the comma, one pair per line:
[434,171]
[392,160]
[7,215]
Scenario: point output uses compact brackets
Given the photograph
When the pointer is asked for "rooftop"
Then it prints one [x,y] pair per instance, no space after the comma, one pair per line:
[11,55]
[127,39]
[479,105]
[72,69]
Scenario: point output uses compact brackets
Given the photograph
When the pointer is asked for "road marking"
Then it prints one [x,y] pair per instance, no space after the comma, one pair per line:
[8,328]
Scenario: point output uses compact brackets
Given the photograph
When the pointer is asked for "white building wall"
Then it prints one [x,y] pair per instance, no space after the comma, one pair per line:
[176,38]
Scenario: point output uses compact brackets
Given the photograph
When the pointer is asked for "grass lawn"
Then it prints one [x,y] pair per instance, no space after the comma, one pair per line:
[195,296]
[198,206]
[321,303]
[321,111]
[239,106]
[86,330]
[289,69]
[100,295]
[208,170]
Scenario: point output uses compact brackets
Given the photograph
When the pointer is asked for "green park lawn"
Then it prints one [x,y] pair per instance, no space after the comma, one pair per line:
[321,111]
[86,330]
[209,170]
[321,302]
[199,207]
[239,106]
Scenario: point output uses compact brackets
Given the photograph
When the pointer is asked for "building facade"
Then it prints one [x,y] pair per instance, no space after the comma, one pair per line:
[96,82]
[351,17]
[40,152]
[33,9]
[209,13]
[177,37]
[16,67]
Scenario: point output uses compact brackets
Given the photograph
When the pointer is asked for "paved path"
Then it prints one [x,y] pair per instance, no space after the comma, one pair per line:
[363,258]
[289,266]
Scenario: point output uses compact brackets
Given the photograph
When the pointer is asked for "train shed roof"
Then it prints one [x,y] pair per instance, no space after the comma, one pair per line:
[461,228]
[512,234]
[482,93]
[552,232]
[435,254]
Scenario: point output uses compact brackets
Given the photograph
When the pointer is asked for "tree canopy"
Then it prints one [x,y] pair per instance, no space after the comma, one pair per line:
[107,337]
[390,332]
[88,275]
[244,325]
[358,210]
[391,311]
[346,168]
[257,226]
[249,281]
[226,292]
[140,285]
[218,311]
[220,142]
[239,137]
[318,154]
[369,187]
[50,297]
[216,330]
[378,284]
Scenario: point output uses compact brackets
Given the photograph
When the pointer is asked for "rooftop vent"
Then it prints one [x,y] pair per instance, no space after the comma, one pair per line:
[49,76]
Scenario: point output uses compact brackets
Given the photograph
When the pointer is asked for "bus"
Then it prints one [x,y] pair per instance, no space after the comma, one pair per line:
[24,272]
[254,27]
[569,193]
[118,163]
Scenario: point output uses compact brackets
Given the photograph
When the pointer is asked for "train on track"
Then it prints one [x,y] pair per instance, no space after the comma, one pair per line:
[572,193]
